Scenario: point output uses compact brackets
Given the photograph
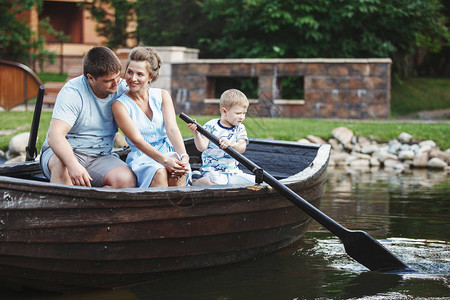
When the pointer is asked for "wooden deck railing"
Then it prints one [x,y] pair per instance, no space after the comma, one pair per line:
[18,84]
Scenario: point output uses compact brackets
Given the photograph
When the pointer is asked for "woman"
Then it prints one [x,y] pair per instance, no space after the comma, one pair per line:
[147,118]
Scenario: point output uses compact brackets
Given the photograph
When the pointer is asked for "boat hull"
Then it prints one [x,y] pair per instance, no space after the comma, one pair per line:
[57,237]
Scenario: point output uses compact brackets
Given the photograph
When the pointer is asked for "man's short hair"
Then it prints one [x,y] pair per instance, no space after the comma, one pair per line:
[100,61]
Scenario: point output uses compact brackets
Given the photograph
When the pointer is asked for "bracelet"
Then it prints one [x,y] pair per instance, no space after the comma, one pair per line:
[184,154]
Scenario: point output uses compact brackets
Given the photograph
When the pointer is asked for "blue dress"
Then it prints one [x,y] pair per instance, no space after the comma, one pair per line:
[153,132]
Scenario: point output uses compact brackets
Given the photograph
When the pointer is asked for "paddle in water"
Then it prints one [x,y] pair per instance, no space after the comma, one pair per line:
[358,244]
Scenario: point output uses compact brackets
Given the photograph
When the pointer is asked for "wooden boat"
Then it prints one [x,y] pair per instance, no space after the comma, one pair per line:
[58,237]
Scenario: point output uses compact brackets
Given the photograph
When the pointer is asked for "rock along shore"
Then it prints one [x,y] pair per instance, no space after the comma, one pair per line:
[400,154]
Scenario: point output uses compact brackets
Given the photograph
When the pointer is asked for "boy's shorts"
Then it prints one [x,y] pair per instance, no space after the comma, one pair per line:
[96,165]
[218,177]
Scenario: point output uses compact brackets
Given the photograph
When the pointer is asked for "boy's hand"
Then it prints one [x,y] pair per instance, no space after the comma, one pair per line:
[192,127]
[225,143]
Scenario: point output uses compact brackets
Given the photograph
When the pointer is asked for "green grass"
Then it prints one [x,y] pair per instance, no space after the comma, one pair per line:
[278,128]
[418,94]
[23,119]
[291,129]
[53,77]
[408,97]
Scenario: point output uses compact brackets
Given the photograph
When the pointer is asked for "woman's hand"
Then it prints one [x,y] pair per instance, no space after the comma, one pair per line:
[177,167]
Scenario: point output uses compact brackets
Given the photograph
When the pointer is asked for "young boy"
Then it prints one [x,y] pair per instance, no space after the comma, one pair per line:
[219,167]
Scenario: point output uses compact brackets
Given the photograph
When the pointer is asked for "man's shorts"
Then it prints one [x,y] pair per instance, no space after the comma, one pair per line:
[96,165]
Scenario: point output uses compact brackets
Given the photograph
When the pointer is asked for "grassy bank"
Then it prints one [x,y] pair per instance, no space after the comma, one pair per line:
[417,94]
[295,129]
[277,128]
[408,97]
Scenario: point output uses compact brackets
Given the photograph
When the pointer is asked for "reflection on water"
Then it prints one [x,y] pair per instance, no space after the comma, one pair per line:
[408,213]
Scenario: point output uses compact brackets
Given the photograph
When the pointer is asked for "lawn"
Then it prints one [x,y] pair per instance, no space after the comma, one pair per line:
[278,128]
[408,97]
[417,94]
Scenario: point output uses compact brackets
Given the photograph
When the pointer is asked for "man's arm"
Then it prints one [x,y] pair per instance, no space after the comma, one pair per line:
[62,149]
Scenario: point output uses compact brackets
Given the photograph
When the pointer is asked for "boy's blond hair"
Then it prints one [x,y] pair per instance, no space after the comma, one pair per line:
[233,97]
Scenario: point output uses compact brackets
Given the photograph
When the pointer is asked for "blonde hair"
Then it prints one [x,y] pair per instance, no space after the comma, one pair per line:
[150,56]
[233,97]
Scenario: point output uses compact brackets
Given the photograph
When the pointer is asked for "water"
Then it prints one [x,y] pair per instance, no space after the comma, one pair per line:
[408,213]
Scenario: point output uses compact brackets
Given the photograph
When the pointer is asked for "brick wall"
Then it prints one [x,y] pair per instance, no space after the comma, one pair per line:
[333,88]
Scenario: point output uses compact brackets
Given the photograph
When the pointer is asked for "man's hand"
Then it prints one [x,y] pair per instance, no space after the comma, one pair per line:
[79,175]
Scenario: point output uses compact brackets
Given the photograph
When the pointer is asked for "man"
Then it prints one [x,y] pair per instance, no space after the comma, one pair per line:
[77,150]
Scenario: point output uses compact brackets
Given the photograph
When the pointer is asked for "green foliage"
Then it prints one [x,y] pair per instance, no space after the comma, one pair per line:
[16,37]
[400,29]
[171,23]
[18,42]
[324,28]
[291,28]
[112,24]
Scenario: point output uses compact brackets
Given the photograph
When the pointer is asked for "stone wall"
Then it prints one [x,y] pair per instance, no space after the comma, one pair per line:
[333,88]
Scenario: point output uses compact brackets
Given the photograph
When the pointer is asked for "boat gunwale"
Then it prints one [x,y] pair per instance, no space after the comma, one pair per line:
[313,171]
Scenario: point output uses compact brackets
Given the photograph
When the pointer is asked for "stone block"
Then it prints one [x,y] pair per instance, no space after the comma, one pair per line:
[217,70]
[322,83]
[378,111]
[265,83]
[381,96]
[373,83]
[314,96]
[379,69]
[315,69]
[359,69]
[337,70]
[326,110]
[354,83]
[289,70]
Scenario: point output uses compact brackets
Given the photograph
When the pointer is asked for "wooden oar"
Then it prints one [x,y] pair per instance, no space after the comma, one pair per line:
[31,151]
[358,244]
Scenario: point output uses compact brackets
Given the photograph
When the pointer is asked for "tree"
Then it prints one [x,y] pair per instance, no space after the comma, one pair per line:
[18,41]
[113,18]
[399,29]
[326,28]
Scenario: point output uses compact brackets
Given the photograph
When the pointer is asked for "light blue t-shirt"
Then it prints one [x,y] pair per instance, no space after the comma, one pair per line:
[93,125]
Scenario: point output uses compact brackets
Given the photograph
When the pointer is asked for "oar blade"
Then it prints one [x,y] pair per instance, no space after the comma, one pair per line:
[370,253]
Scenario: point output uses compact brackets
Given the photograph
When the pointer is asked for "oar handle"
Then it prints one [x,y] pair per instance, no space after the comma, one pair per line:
[31,151]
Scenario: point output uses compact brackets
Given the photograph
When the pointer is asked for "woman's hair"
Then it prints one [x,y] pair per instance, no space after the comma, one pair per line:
[233,97]
[150,56]
[101,61]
